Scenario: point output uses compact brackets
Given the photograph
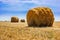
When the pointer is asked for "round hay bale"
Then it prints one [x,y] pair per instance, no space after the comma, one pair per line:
[41,16]
[14,19]
[22,20]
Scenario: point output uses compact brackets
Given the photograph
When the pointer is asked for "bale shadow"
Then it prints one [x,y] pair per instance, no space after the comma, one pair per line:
[39,26]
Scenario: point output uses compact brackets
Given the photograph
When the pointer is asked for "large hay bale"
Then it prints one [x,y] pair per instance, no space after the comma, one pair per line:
[14,19]
[22,20]
[41,16]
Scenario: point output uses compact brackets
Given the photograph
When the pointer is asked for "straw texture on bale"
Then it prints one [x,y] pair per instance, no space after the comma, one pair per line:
[14,19]
[40,16]
[22,20]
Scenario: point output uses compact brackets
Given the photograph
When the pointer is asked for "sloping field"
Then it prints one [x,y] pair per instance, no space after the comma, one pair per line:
[20,31]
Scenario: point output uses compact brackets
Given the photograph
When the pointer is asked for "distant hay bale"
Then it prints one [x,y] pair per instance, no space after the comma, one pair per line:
[41,16]
[14,19]
[22,20]
[5,21]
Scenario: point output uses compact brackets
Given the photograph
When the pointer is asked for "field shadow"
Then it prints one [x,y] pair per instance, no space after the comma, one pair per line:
[39,26]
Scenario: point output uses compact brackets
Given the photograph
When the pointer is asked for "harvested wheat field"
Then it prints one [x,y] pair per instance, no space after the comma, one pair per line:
[20,31]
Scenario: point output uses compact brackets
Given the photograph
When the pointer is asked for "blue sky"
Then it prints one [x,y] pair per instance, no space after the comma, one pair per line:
[19,8]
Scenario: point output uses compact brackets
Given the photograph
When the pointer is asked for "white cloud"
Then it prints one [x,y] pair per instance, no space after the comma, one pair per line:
[19,3]
[9,1]
[13,2]
[57,18]
[25,0]
[31,1]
